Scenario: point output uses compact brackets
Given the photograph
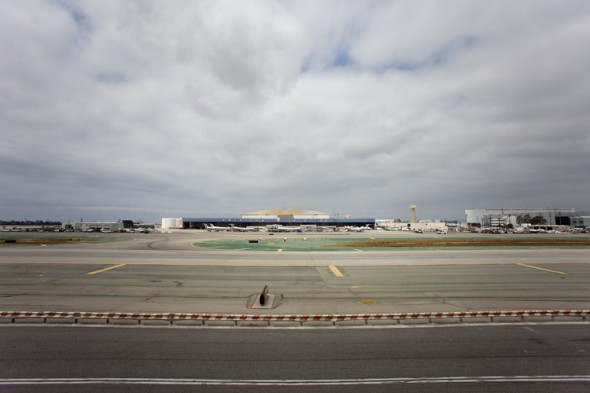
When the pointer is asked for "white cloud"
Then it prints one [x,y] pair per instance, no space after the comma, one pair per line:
[112,109]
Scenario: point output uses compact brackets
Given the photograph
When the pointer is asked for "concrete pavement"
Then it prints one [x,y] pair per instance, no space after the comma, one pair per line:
[166,273]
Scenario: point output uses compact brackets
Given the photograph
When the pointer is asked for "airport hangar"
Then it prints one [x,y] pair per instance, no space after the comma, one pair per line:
[309,219]
[498,217]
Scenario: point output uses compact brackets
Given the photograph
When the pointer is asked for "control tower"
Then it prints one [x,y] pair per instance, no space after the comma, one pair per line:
[413,213]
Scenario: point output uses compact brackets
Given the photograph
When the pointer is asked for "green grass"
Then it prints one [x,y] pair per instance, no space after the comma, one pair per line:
[277,243]
[343,244]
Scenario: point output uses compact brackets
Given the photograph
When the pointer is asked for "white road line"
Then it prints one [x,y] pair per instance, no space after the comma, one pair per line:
[292,382]
[542,269]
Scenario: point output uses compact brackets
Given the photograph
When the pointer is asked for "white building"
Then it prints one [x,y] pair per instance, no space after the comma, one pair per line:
[582,221]
[295,214]
[171,223]
[488,218]
[88,226]
[423,225]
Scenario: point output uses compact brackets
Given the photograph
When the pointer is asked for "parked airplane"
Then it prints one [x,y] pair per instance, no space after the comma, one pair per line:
[357,229]
[242,229]
[281,228]
[213,228]
[536,230]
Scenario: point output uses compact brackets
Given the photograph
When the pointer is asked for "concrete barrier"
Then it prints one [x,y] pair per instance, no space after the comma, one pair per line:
[182,322]
[147,322]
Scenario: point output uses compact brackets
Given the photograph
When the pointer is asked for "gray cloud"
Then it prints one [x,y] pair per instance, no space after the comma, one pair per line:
[142,109]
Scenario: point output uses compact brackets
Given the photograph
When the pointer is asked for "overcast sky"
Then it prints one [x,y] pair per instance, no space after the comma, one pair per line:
[150,109]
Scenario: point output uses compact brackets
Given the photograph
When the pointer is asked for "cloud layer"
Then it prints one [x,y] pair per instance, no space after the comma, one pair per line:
[151,109]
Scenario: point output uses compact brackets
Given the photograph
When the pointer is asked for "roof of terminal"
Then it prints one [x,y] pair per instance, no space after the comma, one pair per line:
[283,220]
[282,212]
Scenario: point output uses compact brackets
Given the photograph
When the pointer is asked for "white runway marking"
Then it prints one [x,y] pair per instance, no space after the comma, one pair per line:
[293,382]
[542,269]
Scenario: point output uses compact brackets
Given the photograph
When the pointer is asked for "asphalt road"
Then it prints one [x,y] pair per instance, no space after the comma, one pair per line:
[166,273]
[173,288]
[514,358]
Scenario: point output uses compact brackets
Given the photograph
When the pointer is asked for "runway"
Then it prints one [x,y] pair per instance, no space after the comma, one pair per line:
[179,249]
[167,273]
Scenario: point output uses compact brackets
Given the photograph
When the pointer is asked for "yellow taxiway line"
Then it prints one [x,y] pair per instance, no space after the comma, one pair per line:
[106,269]
[335,270]
[543,269]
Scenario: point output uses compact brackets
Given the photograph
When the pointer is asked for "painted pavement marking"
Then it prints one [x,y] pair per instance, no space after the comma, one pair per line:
[543,269]
[106,269]
[335,270]
[292,382]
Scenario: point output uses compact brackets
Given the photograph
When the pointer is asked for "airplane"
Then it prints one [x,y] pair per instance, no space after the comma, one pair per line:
[211,227]
[357,229]
[290,229]
[242,229]
[281,228]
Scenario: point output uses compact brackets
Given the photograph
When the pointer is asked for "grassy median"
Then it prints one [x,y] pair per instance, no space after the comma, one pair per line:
[516,242]
[363,244]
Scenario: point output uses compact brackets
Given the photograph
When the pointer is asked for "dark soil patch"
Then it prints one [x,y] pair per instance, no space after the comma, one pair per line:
[553,242]
[39,241]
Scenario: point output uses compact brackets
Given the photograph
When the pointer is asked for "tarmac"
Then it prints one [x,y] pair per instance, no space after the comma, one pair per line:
[162,273]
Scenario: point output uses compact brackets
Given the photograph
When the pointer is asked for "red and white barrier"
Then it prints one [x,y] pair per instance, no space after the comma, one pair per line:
[300,318]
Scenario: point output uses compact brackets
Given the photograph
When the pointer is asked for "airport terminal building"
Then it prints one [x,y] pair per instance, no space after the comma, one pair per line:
[306,220]
[488,218]
[311,220]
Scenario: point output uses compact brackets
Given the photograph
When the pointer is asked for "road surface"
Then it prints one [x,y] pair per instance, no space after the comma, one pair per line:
[166,273]
[514,358]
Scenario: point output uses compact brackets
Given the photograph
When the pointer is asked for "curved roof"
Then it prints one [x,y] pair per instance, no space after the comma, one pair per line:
[281,212]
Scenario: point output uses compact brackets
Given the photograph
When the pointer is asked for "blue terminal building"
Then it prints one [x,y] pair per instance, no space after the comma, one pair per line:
[276,218]
[201,223]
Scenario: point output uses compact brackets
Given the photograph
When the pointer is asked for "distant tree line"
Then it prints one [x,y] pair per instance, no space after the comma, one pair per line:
[29,223]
